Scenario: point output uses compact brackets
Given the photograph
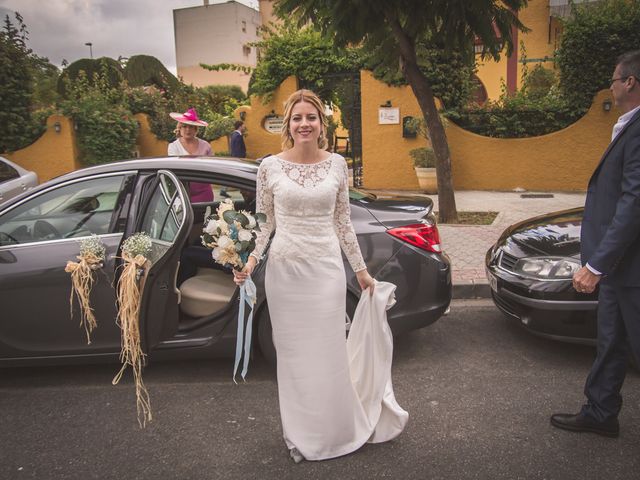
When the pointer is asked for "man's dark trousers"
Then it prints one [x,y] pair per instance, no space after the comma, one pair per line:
[618,328]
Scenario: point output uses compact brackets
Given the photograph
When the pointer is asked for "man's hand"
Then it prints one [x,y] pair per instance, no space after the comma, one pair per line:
[585,281]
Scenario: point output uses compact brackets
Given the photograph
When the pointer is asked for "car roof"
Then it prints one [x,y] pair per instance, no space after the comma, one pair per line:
[243,168]
[21,170]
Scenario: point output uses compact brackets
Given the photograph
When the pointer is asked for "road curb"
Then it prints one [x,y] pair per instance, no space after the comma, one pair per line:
[471,290]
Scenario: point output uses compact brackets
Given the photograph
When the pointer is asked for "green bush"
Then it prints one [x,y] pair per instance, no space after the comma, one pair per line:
[107,130]
[108,69]
[219,125]
[145,70]
[591,42]
[423,157]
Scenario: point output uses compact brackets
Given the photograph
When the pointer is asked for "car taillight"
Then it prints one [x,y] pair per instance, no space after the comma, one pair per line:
[420,235]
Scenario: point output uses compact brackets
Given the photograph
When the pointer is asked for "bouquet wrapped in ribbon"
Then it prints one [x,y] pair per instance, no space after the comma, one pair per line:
[231,235]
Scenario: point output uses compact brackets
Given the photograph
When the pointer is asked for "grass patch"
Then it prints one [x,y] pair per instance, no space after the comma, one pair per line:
[475,218]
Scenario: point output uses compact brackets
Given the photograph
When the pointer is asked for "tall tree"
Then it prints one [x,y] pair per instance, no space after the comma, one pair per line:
[454,23]
[17,86]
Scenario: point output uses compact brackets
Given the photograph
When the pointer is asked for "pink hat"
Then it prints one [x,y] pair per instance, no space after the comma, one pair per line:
[190,117]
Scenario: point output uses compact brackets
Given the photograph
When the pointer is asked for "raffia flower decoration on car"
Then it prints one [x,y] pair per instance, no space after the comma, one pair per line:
[231,234]
[91,258]
[135,252]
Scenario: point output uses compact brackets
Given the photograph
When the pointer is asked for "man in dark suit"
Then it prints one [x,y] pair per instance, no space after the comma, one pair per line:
[610,251]
[238,148]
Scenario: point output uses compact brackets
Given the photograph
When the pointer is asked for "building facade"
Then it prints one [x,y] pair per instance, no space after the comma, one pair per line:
[213,34]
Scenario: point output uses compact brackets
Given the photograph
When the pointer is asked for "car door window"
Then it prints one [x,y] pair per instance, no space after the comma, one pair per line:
[164,215]
[7,172]
[72,210]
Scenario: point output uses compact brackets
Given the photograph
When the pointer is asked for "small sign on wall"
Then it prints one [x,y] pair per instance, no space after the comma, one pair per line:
[388,116]
[273,124]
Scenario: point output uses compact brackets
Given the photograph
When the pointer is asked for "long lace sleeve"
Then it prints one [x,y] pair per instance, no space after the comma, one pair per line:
[264,204]
[343,226]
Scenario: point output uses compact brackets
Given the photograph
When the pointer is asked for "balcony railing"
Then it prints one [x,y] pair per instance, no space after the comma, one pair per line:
[562,8]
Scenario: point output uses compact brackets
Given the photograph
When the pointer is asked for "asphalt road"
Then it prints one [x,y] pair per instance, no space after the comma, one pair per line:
[478,389]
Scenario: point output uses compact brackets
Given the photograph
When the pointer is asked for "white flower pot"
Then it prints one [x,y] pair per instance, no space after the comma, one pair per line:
[427,179]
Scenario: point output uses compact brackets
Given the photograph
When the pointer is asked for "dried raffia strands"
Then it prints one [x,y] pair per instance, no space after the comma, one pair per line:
[82,277]
[129,321]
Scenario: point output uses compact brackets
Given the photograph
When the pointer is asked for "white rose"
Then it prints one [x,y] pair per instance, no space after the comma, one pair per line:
[211,227]
[215,253]
[244,235]
[224,241]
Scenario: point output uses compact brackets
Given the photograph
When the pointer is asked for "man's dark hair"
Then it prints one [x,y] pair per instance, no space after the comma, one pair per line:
[238,124]
[629,64]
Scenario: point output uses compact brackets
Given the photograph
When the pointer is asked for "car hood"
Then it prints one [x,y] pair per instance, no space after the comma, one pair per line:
[554,234]
[398,210]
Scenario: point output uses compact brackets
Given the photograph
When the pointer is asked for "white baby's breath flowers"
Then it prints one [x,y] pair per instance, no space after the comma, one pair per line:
[92,246]
[137,244]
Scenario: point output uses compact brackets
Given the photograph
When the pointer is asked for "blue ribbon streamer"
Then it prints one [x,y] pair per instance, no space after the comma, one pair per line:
[247,295]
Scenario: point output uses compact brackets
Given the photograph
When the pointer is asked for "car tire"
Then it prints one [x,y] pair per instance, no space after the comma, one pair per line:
[265,331]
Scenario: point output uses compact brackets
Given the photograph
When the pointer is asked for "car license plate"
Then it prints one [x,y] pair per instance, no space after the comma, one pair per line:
[493,281]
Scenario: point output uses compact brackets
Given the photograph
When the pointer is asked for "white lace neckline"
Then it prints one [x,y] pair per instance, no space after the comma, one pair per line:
[306,174]
[305,164]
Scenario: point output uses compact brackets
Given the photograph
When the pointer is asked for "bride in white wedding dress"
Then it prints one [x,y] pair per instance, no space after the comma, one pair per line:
[304,193]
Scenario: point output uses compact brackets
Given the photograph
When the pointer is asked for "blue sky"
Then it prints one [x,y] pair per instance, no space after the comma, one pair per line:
[59,29]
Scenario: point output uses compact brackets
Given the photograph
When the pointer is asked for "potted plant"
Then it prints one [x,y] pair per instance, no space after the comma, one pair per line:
[424,161]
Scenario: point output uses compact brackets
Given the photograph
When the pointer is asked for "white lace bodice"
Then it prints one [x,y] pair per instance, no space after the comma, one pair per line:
[309,204]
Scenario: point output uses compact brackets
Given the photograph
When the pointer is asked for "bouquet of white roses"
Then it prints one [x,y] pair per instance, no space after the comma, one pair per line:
[231,234]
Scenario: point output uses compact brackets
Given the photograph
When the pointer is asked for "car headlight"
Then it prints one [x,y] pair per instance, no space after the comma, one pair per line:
[547,267]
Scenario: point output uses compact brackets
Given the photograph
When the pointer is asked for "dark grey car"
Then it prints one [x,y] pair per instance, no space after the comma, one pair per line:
[196,317]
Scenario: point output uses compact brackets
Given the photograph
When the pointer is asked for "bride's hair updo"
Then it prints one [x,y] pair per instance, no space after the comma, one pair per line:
[309,97]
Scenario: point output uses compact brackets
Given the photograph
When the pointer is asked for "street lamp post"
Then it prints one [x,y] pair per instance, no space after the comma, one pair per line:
[89,44]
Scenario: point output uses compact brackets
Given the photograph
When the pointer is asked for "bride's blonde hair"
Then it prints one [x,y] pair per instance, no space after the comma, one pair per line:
[295,98]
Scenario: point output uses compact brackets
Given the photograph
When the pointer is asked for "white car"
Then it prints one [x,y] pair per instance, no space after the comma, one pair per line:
[14,179]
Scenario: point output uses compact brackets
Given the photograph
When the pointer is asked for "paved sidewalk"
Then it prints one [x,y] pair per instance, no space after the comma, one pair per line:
[467,245]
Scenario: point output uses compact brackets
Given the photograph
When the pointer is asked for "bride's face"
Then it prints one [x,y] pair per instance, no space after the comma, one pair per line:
[305,125]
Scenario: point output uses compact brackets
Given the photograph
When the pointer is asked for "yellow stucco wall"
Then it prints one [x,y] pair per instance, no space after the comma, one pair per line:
[258,141]
[385,154]
[147,144]
[492,74]
[537,42]
[559,161]
[52,154]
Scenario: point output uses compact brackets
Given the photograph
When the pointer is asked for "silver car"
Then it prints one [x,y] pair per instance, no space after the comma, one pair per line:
[14,180]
